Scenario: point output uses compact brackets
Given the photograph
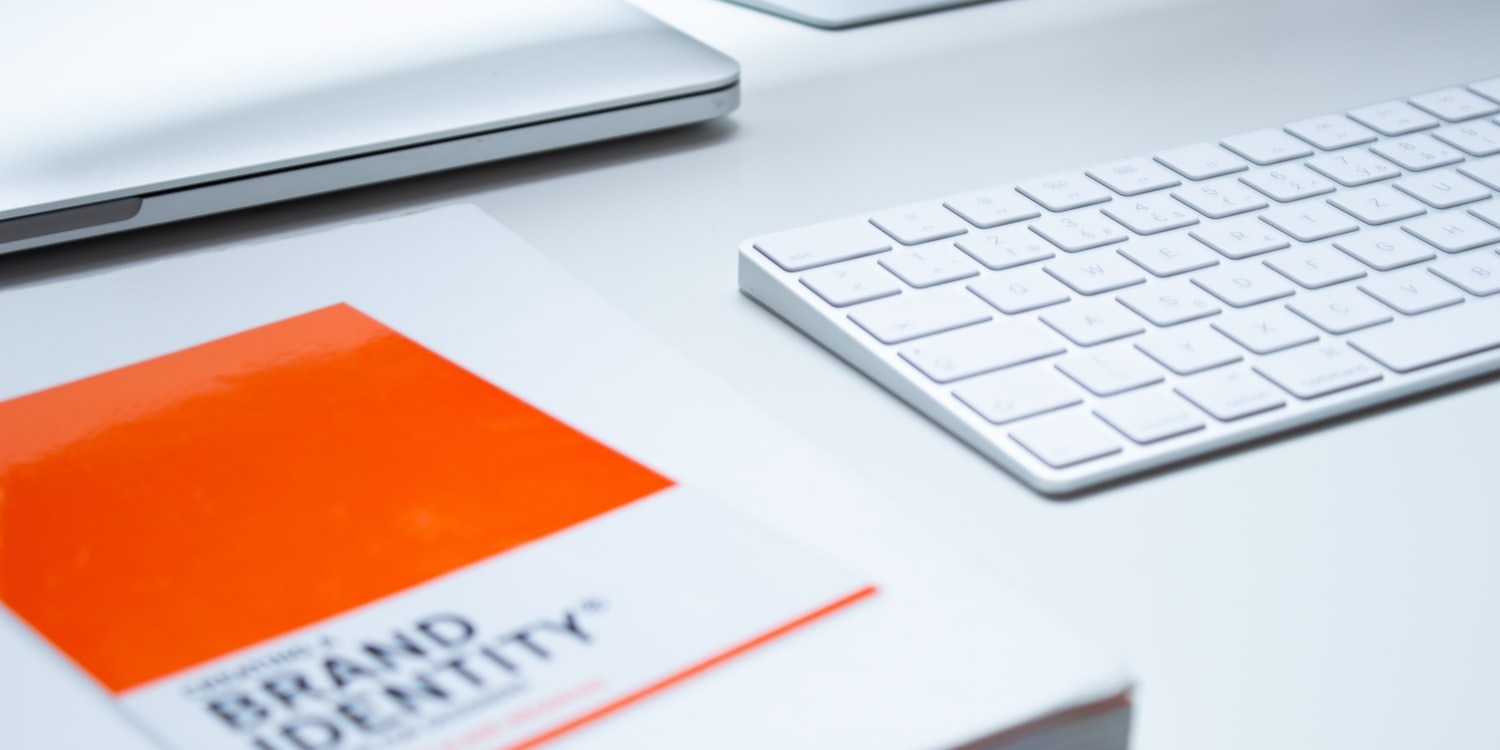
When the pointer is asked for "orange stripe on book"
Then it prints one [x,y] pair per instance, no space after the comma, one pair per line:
[171,511]
[692,671]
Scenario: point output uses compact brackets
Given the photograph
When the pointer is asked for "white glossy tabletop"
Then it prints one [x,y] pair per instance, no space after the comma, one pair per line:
[1338,587]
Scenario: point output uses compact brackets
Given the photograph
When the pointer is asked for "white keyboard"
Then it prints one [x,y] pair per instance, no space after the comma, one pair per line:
[1088,325]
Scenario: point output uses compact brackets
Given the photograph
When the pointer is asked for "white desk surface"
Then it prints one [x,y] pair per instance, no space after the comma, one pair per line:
[1339,587]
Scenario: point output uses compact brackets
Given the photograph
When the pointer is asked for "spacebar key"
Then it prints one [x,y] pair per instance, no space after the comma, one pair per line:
[1436,337]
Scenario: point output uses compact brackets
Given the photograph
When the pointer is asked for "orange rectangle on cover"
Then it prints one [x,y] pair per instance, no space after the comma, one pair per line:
[158,515]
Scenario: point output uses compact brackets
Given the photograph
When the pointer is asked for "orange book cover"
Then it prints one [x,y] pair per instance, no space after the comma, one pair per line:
[319,535]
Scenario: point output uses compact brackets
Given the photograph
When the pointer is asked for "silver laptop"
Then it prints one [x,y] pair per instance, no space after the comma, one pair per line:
[148,111]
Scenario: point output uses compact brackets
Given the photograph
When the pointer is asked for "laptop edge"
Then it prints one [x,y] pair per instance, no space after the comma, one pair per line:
[575,72]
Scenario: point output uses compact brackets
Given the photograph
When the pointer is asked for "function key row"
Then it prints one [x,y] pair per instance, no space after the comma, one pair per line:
[1020,233]
[1456,110]
[1383,246]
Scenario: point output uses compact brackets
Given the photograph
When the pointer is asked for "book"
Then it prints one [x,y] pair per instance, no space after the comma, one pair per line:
[405,484]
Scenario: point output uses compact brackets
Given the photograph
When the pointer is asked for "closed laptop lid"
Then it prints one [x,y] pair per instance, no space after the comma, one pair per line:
[108,100]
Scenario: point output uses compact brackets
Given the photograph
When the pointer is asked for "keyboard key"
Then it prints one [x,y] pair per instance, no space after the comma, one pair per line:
[1062,192]
[1418,152]
[1331,132]
[850,283]
[1150,416]
[1309,221]
[1007,247]
[1066,439]
[1486,171]
[1169,303]
[1267,146]
[1093,322]
[1228,395]
[1108,371]
[1340,311]
[821,244]
[1095,272]
[1169,255]
[1377,204]
[1150,214]
[1412,292]
[1477,273]
[1241,237]
[1080,230]
[1267,329]
[1220,198]
[1201,161]
[1242,285]
[1313,371]
[918,223]
[1385,249]
[1394,118]
[1134,176]
[930,266]
[1432,339]
[1292,182]
[1490,212]
[1009,395]
[1189,350]
[1455,104]
[1453,232]
[966,352]
[992,208]
[908,316]
[1315,266]
[1472,138]
[1442,188]
[1019,290]
[1489,89]
[1354,167]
